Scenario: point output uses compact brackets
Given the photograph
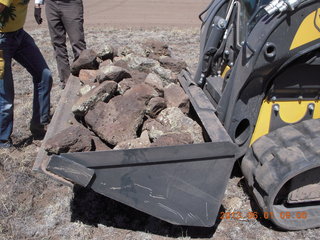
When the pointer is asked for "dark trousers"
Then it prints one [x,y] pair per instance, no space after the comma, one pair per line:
[65,17]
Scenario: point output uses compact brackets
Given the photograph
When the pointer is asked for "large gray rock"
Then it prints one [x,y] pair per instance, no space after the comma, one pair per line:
[142,142]
[174,119]
[86,60]
[113,73]
[176,97]
[122,116]
[155,106]
[103,92]
[175,65]
[73,139]
[140,63]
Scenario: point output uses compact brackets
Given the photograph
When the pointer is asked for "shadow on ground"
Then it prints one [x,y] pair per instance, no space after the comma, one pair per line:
[92,209]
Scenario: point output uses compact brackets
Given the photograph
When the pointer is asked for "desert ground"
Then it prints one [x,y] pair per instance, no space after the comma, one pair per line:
[34,206]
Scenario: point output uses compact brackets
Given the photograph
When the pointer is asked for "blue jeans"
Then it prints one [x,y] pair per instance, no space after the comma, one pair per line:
[20,46]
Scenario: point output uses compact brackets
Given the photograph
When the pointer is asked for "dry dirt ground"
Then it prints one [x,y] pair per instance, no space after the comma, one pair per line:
[32,206]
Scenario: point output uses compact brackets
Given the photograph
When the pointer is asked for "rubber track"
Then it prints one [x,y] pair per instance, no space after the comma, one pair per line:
[276,158]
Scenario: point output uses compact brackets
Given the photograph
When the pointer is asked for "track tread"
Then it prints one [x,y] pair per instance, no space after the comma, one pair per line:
[279,156]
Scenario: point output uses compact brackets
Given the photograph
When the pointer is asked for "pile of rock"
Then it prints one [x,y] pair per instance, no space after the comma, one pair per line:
[128,101]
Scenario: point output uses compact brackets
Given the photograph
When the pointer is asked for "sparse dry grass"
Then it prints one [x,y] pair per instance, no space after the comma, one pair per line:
[32,206]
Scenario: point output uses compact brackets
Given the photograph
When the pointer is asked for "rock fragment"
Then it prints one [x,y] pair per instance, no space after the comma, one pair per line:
[113,73]
[73,139]
[155,106]
[175,65]
[122,116]
[176,97]
[173,139]
[108,52]
[140,63]
[174,119]
[142,142]
[155,81]
[87,76]
[103,92]
[98,145]
[86,60]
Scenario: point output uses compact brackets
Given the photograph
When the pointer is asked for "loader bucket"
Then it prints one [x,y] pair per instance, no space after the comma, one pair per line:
[183,185]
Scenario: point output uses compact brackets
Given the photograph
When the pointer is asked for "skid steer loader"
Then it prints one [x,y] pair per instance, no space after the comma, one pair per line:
[256,92]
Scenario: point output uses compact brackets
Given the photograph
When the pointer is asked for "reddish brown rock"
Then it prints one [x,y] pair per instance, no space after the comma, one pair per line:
[122,116]
[155,106]
[103,92]
[73,139]
[176,97]
[87,76]
[119,62]
[175,65]
[106,63]
[98,145]
[86,60]
[138,76]
[125,85]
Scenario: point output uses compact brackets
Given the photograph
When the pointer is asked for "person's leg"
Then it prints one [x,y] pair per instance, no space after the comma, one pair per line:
[58,38]
[7,48]
[72,18]
[30,57]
